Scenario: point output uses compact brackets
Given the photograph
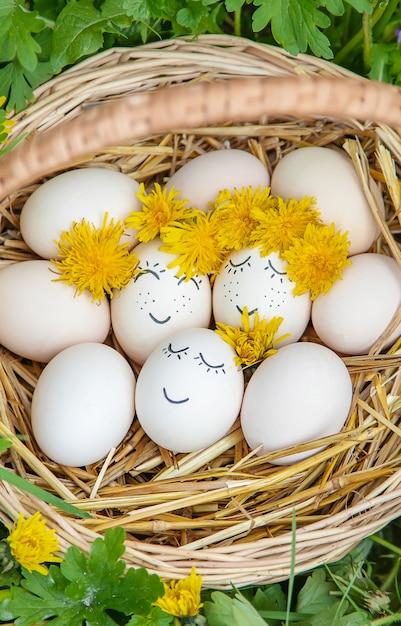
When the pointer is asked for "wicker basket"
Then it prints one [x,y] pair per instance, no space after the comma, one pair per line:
[223,510]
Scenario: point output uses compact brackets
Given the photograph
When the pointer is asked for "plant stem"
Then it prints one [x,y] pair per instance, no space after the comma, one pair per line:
[237,23]
[384,19]
[386,544]
[367,41]
[388,619]
[292,567]
[353,43]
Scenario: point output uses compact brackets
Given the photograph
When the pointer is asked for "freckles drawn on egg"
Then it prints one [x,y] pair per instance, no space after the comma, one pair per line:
[146,297]
[232,286]
[182,354]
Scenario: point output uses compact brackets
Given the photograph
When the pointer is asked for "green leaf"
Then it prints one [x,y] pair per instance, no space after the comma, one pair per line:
[316,594]
[49,8]
[362,6]
[234,5]
[4,443]
[156,617]
[197,18]
[295,25]
[336,7]
[226,611]
[83,589]
[271,600]
[80,27]
[337,615]
[20,482]
[139,10]
[17,24]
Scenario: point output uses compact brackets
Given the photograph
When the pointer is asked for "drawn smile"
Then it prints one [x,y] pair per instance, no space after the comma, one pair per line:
[173,401]
[154,319]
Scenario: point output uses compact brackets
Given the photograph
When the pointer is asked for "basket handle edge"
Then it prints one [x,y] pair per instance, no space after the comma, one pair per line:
[191,105]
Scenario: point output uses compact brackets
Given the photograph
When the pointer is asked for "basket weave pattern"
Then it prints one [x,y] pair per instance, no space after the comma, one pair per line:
[223,509]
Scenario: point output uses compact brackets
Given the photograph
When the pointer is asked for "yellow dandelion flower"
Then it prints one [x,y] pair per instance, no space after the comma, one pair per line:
[252,342]
[317,259]
[278,225]
[159,208]
[5,124]
[235,213]
[195,244]
[32,544]
[94,259]
[182,598]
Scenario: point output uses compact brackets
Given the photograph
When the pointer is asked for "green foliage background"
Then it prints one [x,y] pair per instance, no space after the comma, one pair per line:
[40,38]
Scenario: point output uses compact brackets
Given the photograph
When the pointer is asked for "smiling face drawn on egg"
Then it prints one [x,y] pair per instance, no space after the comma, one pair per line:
[181,300]
[157,303]
[190,382]
[192,358]
[261,284]
[274,297]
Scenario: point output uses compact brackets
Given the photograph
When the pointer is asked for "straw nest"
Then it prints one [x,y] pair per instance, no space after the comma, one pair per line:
[224,509]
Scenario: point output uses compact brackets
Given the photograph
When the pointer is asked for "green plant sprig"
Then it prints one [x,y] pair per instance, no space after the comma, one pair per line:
[40,38]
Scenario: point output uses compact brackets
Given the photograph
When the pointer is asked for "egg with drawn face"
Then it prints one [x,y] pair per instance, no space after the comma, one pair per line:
[157,303]
[261,284]
[189,391]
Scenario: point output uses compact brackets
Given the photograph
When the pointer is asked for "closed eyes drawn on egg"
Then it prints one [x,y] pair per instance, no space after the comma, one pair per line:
[147,270]
[234,267]
[169,351]
[216,368]
[196,282]
[275,271]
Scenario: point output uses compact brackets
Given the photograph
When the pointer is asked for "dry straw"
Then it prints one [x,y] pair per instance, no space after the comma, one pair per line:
[225,510]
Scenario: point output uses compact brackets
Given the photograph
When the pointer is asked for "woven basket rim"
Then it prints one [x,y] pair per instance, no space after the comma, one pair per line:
[230,557]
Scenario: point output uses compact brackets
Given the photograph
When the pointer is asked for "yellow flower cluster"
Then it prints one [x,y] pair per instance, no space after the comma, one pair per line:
[252,342]
[244,218]
[182,598]
[94,258]
[5,124]
[316,255]
[32,544]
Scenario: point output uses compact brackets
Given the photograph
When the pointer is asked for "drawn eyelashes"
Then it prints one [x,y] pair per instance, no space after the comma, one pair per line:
[216,368]
[178,353]
[170,351]
[156,270]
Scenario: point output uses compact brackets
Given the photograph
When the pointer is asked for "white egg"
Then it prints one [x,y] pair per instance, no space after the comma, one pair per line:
[200,180]
[189,390]
[299,394]
[157,303]
[72,196]
[329,176]
[261,284]
[83,404]
[357,309]
[40,317]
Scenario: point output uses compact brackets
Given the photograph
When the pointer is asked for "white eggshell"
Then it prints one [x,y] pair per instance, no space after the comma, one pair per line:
[83,404]
[358,308]
[329,176]
[260,283]
[40,317]
[189,390]
[301,393]
[72,196]
[157,303]
[200,180]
